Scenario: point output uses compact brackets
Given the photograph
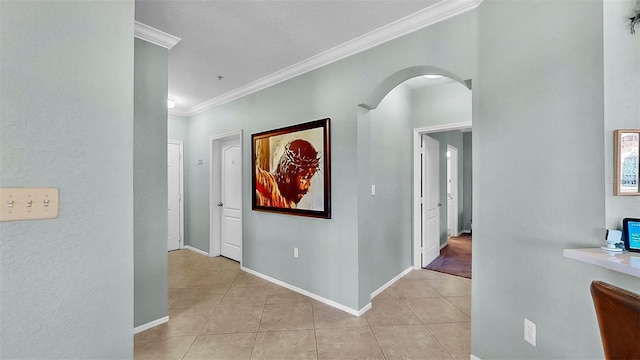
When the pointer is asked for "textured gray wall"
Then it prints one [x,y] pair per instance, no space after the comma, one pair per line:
[445,103]
[177,127]
[150,182]
[385,219]
[66,122]
[539,178]
[621,94]
[467,182]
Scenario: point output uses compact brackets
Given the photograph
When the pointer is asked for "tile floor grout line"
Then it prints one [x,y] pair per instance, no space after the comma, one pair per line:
[377,342]
[190,346]
[426,326]
[315,333]
[253,347]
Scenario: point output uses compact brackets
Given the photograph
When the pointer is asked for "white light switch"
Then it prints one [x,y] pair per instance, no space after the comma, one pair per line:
[28,204]
[373,190]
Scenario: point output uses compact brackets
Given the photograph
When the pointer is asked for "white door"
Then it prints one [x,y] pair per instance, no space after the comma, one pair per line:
[173,196]
[431,204]
[231,200]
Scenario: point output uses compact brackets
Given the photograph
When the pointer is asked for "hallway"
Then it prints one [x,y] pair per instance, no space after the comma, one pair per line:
[217,311]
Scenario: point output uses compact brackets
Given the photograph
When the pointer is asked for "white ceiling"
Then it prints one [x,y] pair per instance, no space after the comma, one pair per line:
[247,40]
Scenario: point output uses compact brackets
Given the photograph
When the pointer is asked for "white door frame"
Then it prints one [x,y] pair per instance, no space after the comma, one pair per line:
[452,214]
[215,173]
[181,144]
[417,183]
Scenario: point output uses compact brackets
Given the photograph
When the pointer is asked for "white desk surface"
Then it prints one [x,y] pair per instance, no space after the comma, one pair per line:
[626,262]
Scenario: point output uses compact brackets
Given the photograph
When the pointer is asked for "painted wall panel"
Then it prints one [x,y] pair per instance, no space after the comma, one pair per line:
[539,178]
[66,121]
[177,127]
[621,94]
[467,180]
[150,182]
[385,219]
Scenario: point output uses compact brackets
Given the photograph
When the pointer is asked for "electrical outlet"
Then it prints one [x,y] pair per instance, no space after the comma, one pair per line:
[529,332]
[295,252]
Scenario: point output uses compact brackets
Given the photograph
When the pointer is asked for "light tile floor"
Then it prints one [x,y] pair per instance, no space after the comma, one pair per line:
[217,311]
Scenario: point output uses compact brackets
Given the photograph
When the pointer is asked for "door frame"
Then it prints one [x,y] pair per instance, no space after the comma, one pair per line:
[215,173]
[417,183]
[455,176]
[181,206]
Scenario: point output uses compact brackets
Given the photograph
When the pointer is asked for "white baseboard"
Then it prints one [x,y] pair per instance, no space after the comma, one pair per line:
[390,282]
[444,245]
[149,325]
[196,250]
[466,231]
[309,294]
[473,357]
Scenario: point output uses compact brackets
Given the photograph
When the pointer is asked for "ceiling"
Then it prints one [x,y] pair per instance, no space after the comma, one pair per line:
[233,46]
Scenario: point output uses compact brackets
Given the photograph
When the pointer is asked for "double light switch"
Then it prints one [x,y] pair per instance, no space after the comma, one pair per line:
[28,204]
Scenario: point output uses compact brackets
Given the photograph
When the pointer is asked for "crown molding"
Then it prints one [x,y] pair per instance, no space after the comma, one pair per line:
[443,10]
[179,112]
[154,36]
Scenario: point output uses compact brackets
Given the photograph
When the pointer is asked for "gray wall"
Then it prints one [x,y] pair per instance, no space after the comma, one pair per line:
[453,138]
[329,261]
[467,182]
[448,103]
[150,182]
[177,127]
[621,94]
[66,122]
[539,178]
[385,219]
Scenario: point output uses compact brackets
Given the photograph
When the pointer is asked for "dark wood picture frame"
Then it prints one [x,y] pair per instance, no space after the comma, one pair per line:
[291,170]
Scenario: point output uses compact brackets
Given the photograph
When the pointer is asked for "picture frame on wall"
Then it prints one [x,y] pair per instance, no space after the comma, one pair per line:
[291,170]
[626,173]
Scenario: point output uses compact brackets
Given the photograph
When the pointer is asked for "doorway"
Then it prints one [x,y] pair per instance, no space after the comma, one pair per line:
[421,235]
[175,206]
[225,202]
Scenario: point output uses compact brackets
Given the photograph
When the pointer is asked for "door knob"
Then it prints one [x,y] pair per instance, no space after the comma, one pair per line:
[219,204]
[439,204]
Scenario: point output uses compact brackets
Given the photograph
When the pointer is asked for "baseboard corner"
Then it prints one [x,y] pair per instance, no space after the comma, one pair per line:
[391,282]
[187,247]
[308,294]
[151,324]
[473,357]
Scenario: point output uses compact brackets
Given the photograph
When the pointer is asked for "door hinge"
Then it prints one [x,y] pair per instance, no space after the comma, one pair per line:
[422,200]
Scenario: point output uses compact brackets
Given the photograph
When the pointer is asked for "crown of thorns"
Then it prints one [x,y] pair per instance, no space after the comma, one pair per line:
[294,161]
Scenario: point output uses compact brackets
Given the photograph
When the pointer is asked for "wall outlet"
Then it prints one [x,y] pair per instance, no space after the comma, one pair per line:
[529,332]
[295,252]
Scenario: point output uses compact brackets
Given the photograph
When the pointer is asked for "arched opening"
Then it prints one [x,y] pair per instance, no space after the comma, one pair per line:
[391,123]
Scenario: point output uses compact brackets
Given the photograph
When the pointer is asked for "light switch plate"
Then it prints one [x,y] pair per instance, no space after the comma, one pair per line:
[29,204]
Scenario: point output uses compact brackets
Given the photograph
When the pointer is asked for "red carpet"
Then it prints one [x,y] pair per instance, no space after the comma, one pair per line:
[455,258]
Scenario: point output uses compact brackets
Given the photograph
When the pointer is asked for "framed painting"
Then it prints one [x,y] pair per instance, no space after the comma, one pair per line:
[292,170]
[626,173]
